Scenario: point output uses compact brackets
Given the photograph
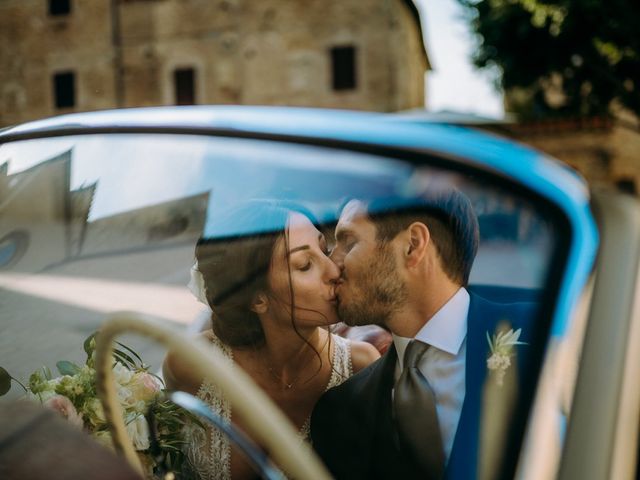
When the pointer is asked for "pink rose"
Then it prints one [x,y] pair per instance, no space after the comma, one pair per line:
[144,387]
[62,405]
[150,382]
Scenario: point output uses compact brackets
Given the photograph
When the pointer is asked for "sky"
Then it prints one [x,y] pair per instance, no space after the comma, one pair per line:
[454,84]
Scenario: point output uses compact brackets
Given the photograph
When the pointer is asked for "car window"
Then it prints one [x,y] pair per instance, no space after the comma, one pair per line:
[92,224]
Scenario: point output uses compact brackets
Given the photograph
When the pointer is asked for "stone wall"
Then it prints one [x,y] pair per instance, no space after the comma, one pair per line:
[265,52]
[35,45]
[604,151]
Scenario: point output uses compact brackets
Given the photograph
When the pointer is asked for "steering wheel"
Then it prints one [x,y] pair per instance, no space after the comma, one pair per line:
[262,419]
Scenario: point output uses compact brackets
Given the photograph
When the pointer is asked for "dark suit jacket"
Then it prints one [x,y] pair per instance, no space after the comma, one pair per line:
[352,429]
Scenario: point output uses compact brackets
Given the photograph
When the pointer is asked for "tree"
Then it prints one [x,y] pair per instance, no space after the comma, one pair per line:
[561,57]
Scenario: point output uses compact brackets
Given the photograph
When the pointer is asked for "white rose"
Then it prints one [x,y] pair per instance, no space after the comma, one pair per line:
[138,431]
[125,397]
[51,384]
[122,374]
[140,406]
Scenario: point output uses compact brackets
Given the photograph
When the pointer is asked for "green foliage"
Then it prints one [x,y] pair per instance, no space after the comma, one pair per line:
[46,371]
[5,381]
[169,421]
[37,382]
[563,57]
[89,344]
[140,393]
[66,367]
[133,361]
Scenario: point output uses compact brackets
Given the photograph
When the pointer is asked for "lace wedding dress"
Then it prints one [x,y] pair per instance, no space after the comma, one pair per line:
[208,450]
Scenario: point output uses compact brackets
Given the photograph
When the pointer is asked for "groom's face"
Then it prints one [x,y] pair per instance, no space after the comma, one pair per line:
[370,289]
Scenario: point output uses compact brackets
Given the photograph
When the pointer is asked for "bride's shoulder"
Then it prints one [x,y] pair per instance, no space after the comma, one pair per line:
[179,374]
[210,337]
[362,355]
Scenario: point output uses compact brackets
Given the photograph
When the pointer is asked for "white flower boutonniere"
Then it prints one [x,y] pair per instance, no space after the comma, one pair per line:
[501,346]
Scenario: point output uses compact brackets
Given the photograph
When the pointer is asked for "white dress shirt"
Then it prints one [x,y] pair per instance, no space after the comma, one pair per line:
[444,363]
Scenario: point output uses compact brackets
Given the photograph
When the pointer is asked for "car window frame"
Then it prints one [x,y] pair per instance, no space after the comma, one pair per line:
[559,271]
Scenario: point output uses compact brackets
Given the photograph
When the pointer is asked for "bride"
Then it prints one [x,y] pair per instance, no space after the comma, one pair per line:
[272,297]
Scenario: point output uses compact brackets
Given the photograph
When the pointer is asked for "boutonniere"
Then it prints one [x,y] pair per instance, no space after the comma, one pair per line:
[501,346]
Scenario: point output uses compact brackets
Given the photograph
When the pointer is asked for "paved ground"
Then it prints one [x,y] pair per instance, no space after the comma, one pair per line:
[37,332]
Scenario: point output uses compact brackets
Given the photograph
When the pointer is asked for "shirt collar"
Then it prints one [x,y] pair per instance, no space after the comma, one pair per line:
[446,330]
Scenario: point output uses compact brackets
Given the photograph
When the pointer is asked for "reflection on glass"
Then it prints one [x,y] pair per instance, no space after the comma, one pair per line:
[168,188]
[110,222]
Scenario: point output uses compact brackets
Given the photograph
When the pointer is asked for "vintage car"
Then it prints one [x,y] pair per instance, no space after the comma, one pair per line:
[100,213]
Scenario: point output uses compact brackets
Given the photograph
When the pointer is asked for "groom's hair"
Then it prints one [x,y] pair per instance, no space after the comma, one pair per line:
[450,218]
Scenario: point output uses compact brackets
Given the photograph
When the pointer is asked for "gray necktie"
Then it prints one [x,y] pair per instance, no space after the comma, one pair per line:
[416,418]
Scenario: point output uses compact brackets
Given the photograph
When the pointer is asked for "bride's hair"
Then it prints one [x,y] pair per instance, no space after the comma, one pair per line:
[234,260]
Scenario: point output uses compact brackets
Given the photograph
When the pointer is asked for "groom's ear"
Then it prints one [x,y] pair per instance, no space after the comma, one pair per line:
[260,304]
[417,240]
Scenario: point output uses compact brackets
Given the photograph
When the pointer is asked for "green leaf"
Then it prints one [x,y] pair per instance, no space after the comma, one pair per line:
[131,352]
[67,368]
[124,359]
[87,344]
[5,381]
[46,371]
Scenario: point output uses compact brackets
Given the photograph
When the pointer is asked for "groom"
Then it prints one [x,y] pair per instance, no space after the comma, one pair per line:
[407,271]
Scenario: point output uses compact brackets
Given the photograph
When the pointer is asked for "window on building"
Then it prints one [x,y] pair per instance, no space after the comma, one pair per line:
[184,81]
[59,7]
[64,89]
[627,185]
[343,65]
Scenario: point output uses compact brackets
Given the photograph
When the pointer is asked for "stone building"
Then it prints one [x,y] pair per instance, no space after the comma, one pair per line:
[58,56]
[604,150]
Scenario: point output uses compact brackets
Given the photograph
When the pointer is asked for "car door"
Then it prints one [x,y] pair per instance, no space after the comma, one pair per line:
[602,435]
[102,212]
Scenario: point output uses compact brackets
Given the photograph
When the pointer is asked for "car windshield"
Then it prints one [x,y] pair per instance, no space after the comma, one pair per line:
[97,223]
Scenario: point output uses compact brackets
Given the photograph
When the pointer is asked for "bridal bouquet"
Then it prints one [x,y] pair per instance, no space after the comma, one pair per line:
[141,395]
